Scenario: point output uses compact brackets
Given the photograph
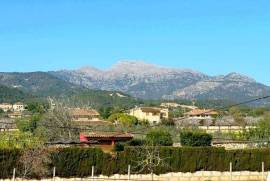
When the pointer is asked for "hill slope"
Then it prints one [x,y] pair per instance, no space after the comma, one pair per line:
[19,87]
[11,95]
[37,83]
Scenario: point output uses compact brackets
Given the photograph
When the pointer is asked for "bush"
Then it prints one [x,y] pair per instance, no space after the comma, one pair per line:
[118,147]
[123,119]
[77,162]
[9,159]
[189,138]
[159,137]
[167,122]
[136,142]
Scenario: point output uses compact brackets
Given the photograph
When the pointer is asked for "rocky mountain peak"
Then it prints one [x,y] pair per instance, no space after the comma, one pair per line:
[150,81]
[142,68]
[238,77]
[88,70]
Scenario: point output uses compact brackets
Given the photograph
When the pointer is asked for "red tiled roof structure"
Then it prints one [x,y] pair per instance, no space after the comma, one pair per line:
[105,137]
[150,109]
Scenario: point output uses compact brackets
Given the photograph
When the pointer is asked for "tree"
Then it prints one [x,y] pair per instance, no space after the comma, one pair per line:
[261,132]
[56,125]
[35,161]
[149,158]
[19,140]
[37,107]
[238,116]
[123,119]
[105,112]
[192,138]
[159,137]
[176,112]
[168,122]
[28,125]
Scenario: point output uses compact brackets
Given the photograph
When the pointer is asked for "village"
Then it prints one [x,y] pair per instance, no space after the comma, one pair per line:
[94,128]
[39,127]
[134,90]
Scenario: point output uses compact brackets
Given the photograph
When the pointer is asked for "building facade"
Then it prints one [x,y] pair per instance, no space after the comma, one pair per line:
[153,115]
[201,114]
[18,107]
[6,107]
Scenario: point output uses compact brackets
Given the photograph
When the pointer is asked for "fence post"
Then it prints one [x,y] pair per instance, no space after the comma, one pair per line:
[128,172]
[262,171]
[230,171]
[54,173]
[14,174]
[93,171]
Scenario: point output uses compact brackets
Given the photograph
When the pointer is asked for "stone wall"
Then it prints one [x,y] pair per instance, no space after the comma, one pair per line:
[197,176]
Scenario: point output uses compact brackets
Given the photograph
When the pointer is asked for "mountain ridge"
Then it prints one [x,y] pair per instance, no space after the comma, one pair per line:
[140,80]
[150,81]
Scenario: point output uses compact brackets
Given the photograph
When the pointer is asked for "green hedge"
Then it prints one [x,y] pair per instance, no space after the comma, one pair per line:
[190,138]
[71,162]
[8,160]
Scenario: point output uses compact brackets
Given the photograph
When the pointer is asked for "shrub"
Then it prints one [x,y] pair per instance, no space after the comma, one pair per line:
[189,138]
[159,137]
[123,119]
[167,122]
[118,147]
[136,142]
[77,162]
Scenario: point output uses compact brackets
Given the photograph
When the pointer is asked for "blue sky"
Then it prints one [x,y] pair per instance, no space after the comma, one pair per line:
[211,36]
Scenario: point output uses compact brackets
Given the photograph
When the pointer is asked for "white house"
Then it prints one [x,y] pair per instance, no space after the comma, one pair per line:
[18,107]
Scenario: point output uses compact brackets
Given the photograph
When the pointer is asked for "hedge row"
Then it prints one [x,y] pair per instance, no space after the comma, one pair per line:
[77,162]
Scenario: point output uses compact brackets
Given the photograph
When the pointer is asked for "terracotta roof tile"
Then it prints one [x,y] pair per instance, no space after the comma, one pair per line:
[196,112]
[83,112]
[108,135]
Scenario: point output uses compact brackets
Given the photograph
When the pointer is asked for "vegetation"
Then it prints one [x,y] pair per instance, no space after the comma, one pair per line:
[28,124]
[37,107]
[159,137]
[100,100]
[12,95]
[193,139]
[123,119]
[56,125]
[260,133]
[119,147]
[75,162]
[18,140]
[136,142]
[176,112]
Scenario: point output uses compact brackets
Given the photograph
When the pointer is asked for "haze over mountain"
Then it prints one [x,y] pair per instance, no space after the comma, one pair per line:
[149,81]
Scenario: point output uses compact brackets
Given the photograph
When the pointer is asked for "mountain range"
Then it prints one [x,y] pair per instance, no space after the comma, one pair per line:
[150,81]
[141,80]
